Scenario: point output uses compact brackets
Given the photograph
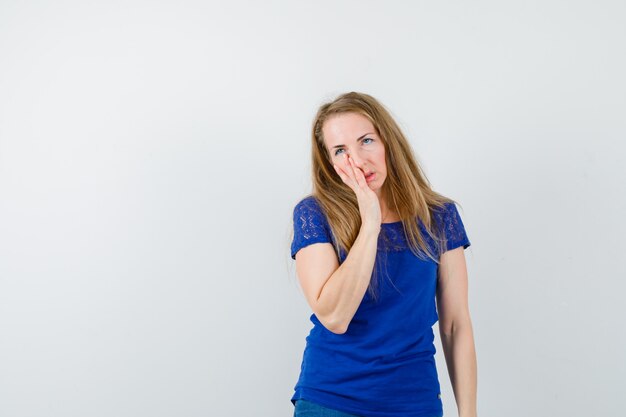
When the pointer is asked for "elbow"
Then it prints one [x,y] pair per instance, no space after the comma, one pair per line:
[335,326]
[451,327]
[339,329]
[331,321]
[445,328]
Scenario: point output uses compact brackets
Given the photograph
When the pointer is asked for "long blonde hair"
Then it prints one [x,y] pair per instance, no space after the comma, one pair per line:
[406,189]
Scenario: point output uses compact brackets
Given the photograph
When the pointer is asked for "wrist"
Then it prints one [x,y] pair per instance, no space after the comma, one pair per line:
[370,228]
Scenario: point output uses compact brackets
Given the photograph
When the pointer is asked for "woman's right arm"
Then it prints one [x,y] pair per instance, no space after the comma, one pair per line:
[335,292]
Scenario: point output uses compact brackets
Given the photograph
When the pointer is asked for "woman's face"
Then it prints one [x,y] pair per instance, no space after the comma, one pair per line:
[353,134]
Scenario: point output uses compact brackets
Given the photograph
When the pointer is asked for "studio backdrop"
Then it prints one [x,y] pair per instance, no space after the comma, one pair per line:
[152,152]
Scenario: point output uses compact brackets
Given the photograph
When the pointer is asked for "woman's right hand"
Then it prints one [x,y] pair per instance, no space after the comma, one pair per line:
[369,204]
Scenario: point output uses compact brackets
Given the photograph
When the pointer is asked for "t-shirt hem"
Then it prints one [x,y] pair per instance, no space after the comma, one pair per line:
[324,400]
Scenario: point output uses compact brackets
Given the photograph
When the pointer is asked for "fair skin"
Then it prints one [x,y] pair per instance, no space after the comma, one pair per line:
[455,329]
[350,138]
[356,149]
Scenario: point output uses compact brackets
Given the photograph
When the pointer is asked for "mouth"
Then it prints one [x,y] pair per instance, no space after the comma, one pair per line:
[370,176]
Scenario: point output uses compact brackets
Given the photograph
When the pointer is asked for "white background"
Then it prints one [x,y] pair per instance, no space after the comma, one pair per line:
[151,153]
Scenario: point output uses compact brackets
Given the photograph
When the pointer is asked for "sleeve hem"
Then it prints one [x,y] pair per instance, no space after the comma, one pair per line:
[465,243]
[318,239]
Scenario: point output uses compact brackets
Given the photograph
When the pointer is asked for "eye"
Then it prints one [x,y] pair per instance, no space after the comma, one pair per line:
[340,149]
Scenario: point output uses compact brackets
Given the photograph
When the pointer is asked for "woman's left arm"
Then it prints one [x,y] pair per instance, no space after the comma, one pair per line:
[455,328]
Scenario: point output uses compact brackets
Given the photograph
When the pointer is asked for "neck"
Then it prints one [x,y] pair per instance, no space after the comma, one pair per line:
[385,211]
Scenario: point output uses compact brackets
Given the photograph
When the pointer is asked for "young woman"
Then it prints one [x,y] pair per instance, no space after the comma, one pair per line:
[380,258]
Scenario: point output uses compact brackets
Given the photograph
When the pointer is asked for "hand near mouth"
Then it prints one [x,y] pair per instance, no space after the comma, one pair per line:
[369,205]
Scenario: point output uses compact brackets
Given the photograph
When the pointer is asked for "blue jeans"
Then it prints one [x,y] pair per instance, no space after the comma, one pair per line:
[306,408]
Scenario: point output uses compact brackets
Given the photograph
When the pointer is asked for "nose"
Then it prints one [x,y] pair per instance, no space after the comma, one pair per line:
[358,161]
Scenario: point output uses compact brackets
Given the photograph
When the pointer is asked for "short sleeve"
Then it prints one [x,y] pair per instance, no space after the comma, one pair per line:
[453,228]
[309,225]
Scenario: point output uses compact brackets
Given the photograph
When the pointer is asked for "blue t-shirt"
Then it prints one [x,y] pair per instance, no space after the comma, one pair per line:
[384,364]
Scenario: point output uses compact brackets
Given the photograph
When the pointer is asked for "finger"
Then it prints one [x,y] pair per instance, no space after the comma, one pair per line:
[350,168]
[349,171]
[342,174]
[358,174]
[339,171]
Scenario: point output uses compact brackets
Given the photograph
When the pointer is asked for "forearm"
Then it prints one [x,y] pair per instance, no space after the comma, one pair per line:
[460,354]
[343,292]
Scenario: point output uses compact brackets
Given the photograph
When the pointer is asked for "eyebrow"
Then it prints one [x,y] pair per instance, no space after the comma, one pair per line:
[358,139]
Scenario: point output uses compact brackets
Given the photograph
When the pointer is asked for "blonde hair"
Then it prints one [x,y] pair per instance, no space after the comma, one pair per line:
[406,189]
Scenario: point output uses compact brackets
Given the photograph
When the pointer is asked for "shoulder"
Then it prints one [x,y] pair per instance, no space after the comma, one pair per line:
[310,225]
[308,202]
[308,206]
[453,228]
[445,213]
[309,210]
